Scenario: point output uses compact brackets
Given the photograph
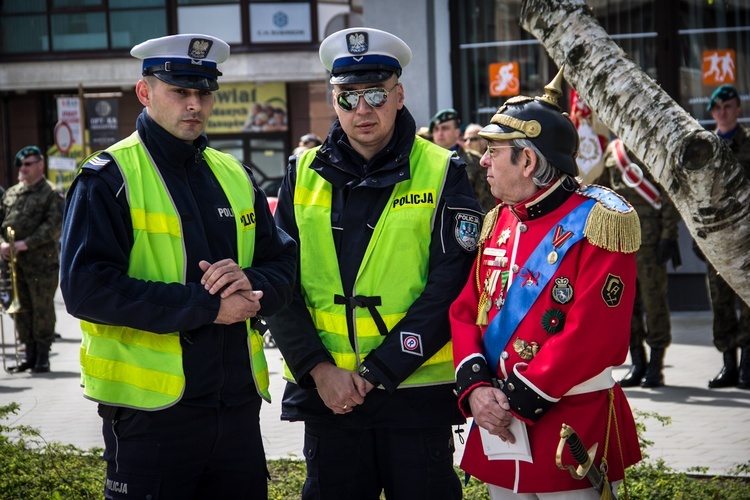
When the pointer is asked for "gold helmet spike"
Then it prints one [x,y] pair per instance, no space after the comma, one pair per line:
[553,90]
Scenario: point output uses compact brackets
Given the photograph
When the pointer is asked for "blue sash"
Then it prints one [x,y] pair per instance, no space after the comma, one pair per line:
[519,301]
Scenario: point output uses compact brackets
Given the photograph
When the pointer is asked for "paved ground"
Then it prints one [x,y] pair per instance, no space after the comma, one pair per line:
[710,428]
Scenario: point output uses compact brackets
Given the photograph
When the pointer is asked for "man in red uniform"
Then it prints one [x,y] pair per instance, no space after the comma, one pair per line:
[545,315]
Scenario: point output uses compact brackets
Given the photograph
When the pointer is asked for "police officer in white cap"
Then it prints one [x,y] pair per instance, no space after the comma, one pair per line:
[387,223]
[169,256]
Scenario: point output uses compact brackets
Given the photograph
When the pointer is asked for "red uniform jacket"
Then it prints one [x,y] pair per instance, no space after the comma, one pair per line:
[575,331]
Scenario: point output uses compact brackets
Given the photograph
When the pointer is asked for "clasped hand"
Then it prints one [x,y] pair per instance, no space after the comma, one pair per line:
[239,302]
[340,389]
[491,410]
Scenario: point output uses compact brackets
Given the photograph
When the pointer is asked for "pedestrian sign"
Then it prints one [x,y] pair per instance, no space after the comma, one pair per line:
[718,67]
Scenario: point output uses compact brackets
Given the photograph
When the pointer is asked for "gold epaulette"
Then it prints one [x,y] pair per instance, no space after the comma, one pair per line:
[490,219]
[613,223]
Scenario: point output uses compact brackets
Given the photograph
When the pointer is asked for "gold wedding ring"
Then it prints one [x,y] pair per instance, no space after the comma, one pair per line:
[345,407]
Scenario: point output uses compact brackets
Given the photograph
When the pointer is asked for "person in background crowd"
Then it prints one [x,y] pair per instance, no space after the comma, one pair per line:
[731,331]
[445,128]
[33,210]
[543,318]
[386,224]
[658,216]
[169,256]
[306,142]
[424,133]
[474,143]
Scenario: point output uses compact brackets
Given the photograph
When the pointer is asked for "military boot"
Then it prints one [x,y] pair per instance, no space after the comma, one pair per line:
[29,359]
[743,381]
[42,359]
[727,377]
[638,358]
[654,376]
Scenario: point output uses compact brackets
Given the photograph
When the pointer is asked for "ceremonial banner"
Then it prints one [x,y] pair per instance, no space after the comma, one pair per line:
[593,137]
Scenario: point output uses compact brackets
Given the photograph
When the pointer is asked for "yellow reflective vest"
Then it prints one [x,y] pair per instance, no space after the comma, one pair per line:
[124,366]
[394,268]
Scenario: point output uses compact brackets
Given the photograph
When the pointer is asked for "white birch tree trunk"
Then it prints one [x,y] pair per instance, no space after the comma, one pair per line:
[699,172]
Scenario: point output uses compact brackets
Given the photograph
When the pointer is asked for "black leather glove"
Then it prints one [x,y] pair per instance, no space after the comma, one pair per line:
[666,249]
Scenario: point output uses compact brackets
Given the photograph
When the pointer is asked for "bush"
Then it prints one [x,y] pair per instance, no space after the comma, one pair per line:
[31,468]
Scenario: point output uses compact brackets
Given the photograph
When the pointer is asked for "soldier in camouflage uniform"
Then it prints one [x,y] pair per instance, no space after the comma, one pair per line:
[658,246]
[729,331]
[33,208]
[445,129]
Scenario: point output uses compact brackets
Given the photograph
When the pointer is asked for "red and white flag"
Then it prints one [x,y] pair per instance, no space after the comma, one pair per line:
[593,138]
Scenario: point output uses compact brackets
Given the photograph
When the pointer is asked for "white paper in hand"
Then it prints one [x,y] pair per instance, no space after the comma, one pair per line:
[497,449]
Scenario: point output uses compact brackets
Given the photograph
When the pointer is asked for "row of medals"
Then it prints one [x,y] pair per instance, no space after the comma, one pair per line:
[500,260]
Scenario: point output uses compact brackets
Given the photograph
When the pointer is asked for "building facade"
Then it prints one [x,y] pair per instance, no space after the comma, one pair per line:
[67,78]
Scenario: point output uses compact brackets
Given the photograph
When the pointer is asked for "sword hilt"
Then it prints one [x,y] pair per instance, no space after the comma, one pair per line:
[584,459]
[577,450]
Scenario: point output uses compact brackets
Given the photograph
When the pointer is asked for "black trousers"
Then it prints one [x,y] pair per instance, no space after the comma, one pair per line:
[408,464]
[186,452]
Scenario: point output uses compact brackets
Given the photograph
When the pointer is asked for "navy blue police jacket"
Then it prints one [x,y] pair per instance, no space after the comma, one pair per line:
[361,190]
[97,238]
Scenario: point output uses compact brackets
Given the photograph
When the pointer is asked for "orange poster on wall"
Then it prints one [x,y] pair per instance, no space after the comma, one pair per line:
[718,66]
[504,79]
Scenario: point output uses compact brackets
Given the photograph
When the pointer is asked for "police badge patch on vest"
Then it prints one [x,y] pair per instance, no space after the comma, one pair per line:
[466,231]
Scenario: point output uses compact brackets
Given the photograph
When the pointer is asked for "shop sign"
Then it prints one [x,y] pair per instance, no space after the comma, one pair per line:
[102,118]
[249,107]
[69,111]
[504,79]
[718,67]
[280,22]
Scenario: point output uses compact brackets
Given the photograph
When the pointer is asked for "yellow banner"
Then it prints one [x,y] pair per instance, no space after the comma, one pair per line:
[63,178]
[249,107]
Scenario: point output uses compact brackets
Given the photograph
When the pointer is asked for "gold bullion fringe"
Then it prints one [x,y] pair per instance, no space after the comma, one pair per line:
[612,230]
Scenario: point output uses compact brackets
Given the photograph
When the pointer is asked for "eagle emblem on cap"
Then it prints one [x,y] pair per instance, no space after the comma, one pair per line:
[199,48]
[356,43]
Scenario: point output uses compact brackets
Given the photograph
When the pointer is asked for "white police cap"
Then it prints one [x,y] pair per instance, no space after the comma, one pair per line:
[188,61]
[363,55]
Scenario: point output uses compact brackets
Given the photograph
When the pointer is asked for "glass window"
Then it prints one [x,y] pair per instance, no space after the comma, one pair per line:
[269,156]
[20,34]
[714,41]
[75,25]
[24,7]
[631,25]
[133,4]
[80,31]
[127,28]
[206,2]
[499,59]
[56,4]
[230,146]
